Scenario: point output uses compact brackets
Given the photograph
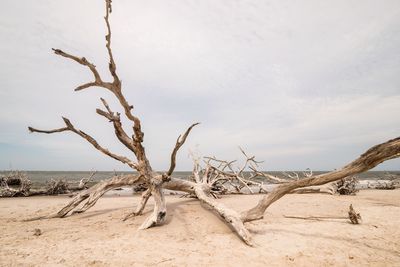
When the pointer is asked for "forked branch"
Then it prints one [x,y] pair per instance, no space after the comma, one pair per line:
[179,142]
[83,61]
[115,87]
[119,130]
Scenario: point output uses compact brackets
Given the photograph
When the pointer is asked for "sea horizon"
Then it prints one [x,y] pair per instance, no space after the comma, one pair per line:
[38,178]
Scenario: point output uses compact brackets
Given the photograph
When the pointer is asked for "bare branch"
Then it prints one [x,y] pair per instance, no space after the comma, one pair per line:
[111,65]
[105,114]
[115,88]
[83,61]
[270,177]
[88,138]
[87,85]
[59,130]
[179,142]
[224,164]
[106,105]
[119,131]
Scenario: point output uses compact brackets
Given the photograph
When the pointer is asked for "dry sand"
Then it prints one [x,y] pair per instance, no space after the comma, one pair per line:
[193,236]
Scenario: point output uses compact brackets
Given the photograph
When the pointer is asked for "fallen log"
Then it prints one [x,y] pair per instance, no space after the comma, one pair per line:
[17,184]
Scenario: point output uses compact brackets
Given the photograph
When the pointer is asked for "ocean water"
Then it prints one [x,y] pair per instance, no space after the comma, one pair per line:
[39,178]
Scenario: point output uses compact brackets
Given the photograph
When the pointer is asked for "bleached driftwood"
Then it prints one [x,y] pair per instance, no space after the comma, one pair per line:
[17,184]
[352,216]
[203,185]
[133,143]
[388,182]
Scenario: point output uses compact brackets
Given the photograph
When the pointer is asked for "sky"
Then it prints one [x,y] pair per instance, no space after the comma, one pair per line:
[299,84]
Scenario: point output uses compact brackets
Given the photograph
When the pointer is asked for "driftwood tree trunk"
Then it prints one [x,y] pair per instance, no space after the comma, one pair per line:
[206,183]
[203,184]
[371,158]
[134,143]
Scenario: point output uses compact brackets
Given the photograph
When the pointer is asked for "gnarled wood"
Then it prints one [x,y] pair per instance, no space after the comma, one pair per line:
[92,194]
[329,188]
[208,182]
[368,160]
[159,213]
[145,175]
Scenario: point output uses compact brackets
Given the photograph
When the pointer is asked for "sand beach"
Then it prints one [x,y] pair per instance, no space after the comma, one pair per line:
[194,236]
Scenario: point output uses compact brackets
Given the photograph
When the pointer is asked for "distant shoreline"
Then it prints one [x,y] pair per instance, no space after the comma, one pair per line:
[40,178]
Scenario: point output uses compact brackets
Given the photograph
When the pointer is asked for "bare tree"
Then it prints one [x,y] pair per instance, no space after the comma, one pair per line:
[205,182]
[134,143]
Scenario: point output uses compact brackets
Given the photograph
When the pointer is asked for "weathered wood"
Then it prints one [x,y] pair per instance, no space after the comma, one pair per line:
[15,178]
[91,195]
[329,188]
[368,160]
[207,182]
[230,216]
[146,175]
[353,215]
[21,185]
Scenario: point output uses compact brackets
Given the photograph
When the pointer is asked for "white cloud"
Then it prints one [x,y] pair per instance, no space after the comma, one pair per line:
[296,83]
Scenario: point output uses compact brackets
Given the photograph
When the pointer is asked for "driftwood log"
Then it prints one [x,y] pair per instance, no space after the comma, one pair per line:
[353,216]
[17,184]
[389,182]
[224,178]
[205,181]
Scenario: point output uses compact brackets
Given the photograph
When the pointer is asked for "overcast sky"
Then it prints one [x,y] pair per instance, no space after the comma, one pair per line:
[299,84]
